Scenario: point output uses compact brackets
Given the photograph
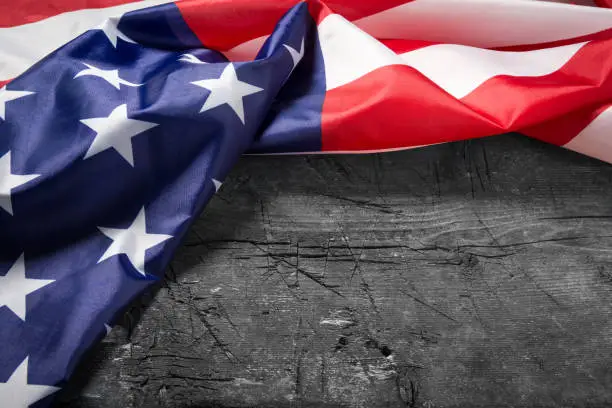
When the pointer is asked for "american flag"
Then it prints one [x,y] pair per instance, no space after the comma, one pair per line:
[119,121]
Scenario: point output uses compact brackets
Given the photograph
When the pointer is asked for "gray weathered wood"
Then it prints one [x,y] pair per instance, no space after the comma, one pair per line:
[471,274]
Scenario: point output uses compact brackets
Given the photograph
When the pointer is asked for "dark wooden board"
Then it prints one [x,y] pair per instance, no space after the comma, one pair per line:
[471,274]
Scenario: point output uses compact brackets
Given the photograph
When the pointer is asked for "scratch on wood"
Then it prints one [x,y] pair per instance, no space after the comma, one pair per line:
[441,313]
[337,322]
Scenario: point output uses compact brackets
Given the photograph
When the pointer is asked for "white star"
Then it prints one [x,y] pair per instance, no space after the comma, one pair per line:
[217,184]
[227,89]
[116,132]
[112,32]
[111,75]
[9,181]
[7,96]
[14,287]
[192,59]
[132,241]
[296,56]
[17,393]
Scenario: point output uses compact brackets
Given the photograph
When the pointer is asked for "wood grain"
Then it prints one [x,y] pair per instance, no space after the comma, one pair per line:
[473,274]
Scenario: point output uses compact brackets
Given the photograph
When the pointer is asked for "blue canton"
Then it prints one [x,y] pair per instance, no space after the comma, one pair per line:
[109,148]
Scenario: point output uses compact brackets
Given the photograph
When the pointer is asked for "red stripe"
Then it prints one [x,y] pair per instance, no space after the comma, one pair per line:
[402,109]
[594,65]
[318,11]
[224,24]
[403,46]
[356,9]
[18,12]
[2,83]
[521,102]
[560,131]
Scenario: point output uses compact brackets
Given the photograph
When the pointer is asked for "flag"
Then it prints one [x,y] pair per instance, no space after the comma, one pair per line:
[120,120]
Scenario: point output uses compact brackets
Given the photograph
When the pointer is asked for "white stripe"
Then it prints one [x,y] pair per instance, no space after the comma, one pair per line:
[22,46]
[247,50]
[459,69]
[596,139]
[486,23]
[349,53]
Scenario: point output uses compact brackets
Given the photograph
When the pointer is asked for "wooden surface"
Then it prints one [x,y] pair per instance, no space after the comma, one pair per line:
[473,274]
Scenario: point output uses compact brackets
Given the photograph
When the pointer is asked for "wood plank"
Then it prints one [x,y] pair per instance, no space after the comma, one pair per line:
[471,274]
